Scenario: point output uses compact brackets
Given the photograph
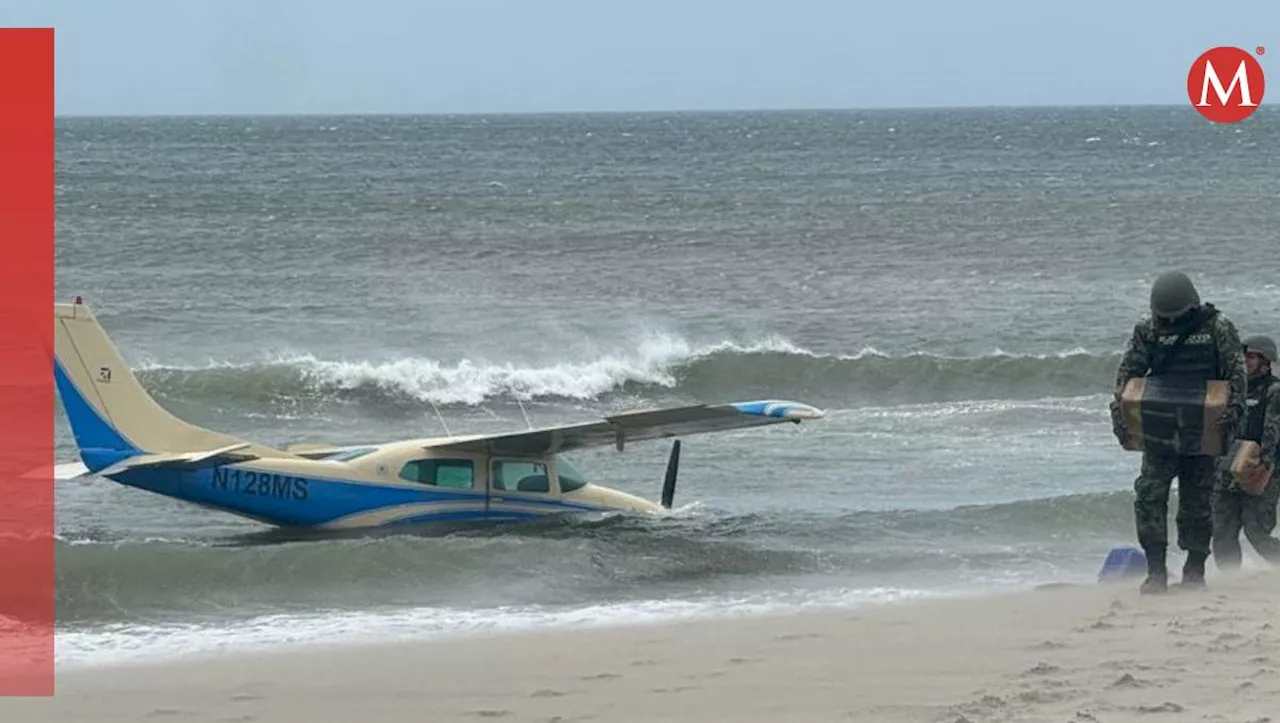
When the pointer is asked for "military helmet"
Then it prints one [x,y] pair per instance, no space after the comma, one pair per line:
[1173,294]
[1264,345]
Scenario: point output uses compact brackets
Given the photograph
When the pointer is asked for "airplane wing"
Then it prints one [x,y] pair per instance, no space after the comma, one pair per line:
[319,450]
[59,471]
[70,470]
[183,460]
[314,450]
[637,426]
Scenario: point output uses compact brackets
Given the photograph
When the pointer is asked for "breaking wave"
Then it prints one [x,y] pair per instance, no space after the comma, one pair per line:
[661,366]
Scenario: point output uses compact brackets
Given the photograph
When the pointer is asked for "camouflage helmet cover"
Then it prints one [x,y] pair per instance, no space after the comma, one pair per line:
[1263,345]
[1173,294]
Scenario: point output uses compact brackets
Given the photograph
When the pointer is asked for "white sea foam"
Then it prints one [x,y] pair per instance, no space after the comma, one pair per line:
[655,360]
[132,643]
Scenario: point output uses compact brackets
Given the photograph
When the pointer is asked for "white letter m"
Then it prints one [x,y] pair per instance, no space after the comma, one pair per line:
[1211,76]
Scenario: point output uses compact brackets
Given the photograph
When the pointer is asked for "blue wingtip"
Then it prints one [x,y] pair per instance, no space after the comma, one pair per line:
[780,409]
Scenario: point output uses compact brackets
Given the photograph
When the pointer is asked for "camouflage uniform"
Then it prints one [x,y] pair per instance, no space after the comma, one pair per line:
[1212,352]
[1233,508]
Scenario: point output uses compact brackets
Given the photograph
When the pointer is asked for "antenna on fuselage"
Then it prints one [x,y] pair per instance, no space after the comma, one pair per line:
[440,416]
[526,414]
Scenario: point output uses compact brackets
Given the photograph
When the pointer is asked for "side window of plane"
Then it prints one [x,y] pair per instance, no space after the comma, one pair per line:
[520,476]
[457,474]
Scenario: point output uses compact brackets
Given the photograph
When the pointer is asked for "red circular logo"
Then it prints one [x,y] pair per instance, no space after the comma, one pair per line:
[1226,84]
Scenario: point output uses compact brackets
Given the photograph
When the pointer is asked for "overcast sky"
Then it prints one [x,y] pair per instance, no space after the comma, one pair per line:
[438,56]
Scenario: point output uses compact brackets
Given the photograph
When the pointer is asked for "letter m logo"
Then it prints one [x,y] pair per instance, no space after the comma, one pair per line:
[1241,79]
[1226,84]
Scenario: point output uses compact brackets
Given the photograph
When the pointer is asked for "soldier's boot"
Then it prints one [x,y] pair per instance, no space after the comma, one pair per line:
[1193,570]
[1157,573]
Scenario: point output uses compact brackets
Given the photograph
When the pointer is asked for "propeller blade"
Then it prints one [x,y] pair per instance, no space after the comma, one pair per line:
[669,484]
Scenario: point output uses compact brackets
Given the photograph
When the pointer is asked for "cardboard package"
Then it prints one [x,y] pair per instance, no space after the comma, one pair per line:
[1247,469]
[1174,415]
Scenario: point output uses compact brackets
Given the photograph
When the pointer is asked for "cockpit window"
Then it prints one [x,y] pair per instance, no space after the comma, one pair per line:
[570,478]
[453,473]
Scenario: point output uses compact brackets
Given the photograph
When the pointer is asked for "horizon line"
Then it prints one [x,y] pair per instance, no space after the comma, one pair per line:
[670,111]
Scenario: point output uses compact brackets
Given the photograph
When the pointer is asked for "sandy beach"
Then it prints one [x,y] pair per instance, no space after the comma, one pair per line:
[1062,653]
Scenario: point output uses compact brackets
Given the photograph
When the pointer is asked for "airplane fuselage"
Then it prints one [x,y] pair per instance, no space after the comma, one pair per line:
[322,498]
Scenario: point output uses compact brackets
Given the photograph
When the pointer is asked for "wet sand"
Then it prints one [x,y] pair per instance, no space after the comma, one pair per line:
[1069,653]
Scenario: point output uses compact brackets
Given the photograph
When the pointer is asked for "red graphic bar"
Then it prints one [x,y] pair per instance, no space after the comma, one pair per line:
[26,362]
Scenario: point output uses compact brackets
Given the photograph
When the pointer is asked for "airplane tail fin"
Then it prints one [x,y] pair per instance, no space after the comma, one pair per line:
[112,416]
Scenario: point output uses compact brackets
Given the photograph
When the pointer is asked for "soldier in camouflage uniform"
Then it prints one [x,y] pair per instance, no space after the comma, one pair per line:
[1210,350]
[1233,508]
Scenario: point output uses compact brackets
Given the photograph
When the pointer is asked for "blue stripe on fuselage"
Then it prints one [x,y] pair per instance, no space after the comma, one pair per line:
[303,501]
[454,516]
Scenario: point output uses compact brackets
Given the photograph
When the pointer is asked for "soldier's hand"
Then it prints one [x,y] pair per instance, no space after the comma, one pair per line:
[1118,426]
[1255,482]
[1227,426]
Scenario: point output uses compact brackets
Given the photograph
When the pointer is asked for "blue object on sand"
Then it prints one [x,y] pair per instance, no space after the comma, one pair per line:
[1122,563]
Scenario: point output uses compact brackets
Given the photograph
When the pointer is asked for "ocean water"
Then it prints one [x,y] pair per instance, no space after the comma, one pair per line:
[952,287]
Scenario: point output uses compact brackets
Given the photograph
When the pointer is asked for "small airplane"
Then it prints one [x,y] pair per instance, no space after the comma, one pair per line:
[124,435]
